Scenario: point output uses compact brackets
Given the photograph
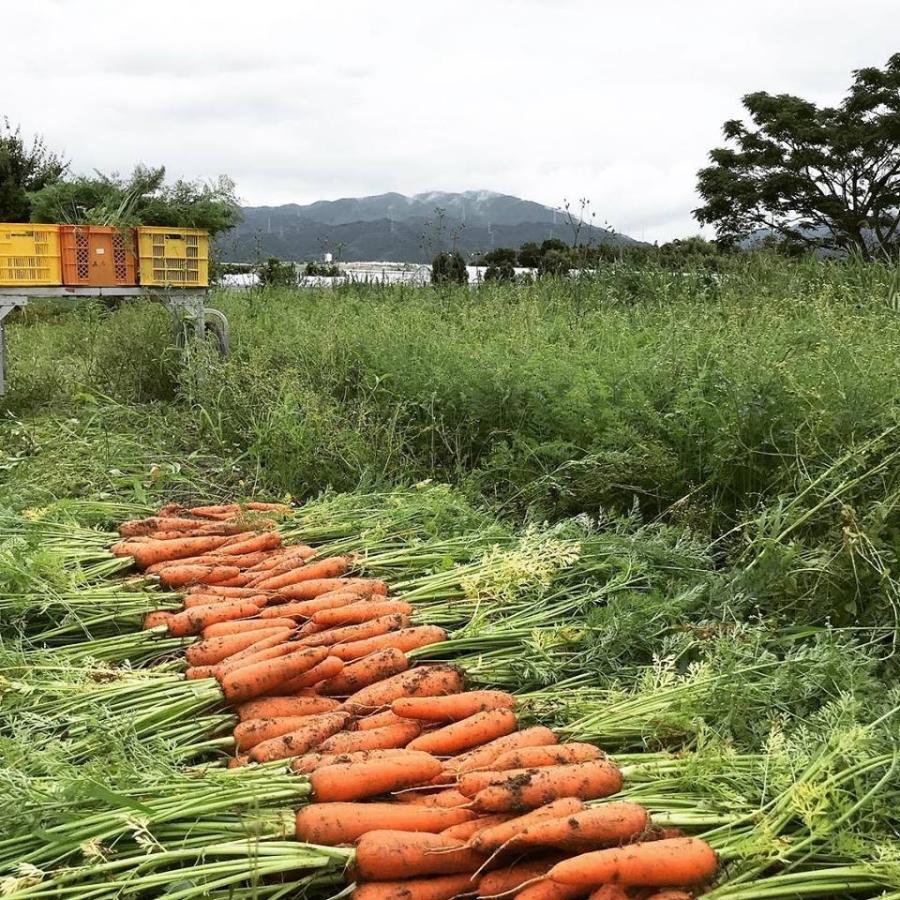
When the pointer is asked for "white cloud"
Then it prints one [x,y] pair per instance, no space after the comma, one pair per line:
[301,101]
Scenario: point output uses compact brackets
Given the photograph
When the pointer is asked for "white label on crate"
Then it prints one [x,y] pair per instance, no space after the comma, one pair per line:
[100,251]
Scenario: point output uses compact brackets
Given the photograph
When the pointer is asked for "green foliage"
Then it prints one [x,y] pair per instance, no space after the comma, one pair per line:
[322,269]
[275,273]
[820,176]
[24,169]
[449,268]
[529,255]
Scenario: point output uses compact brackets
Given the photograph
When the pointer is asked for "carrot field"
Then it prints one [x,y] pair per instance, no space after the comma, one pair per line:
[631,537]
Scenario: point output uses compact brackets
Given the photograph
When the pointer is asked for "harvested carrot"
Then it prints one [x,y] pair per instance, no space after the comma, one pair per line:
[511,878]
[179,576]
[402,854]
[268,649]
[223,591]
[245,626]
[437,887]
[547,889]
[237,761]
[331,567]
[358,780]
[390,737]
[533,757]
[422,681]
[465,831]
[204,560]
[665,894]
[301,740]
[360,674]
[343,823]
[280,707]
[406,639]
[531,788]
[306,608]
[309,590]
[448,799]
[309,762]
[360,632]
[241,580]
[491,839]
[677,862]
[194,672]
[213,650]
[213,512]
[328,668]
[379,720]
[259,543]
[265,506]
[467,733]
[156,618]
[157,551]
[262,678]
[611,823]
[285,557]
[453,707]
[254,731]
[136,527]
[481,757]
[363,611]
[193,621]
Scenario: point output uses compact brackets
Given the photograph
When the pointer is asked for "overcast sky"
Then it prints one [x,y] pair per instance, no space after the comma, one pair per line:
[301,101]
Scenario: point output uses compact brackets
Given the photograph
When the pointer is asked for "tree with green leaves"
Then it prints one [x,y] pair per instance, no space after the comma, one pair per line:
[449,268]
[822,177]
[24,168]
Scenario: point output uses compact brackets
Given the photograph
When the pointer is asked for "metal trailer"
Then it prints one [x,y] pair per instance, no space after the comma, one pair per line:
[191,317]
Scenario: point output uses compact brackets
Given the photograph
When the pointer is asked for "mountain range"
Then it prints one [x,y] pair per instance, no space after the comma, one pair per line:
[396,228]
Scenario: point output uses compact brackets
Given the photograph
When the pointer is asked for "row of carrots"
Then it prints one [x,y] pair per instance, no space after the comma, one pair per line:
[439,789]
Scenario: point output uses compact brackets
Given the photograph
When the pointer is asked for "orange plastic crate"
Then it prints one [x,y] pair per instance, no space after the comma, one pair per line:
[98,256]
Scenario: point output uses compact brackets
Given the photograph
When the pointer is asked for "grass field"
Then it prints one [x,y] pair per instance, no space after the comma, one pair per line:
[673,501]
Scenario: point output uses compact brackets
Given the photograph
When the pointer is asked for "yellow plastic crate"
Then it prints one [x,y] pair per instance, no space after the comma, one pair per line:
[29,255]
[173,257]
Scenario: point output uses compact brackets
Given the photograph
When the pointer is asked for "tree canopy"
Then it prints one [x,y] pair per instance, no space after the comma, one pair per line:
[825,177]
[24,168]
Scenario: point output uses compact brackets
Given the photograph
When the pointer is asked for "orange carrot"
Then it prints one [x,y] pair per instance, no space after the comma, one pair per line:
[213,650]
[665,894]
[465,831]
[245,626]
[343,823]
[331,567]
[611,823]
[222,591]
[262,678]
[309,762]
[436,887]
[402,854]
[283,560]
[260,506]
[406,639]
[423,681]
[301,740]
[510,879]
[467,733]
[273,647]
[547,889]
[677,862]
[448,799]
[380,720]
[358,780]
[259,543]
[481,757]
[157,551]
[491,839]
[357,675]
[281,707]
[362,631]
[530,788]
[157,523]
[390,737]
[453,707]
[328,668]
[307,608]
[156,618]
[354,613]
[309,590]
[254,731]
[193,621]
[179,576]
[195,672]
[534,757]
[213,512]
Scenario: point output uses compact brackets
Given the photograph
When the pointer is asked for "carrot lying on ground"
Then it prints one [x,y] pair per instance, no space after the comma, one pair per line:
[254,731]
[358,780]
[611,823]
[157,618]
[309,590]
[309,762]
[343,823]
[301,740]
[438,887]
[379,720]
[279,707]
[422,681]
[193,621]
[406,639]
[465,831]
[488,840]
[676,862]
[482,757]
[245,626]
[331,567]
[306,608]
[146,554]
[546,889]
[531,788]
[388,854]
[446,799]
[179,576]
[262,678]
[366,671]
[473,731]
[213,650]
[259,543]
[534,757]
[268,649]
[221,591]
[241,561]
[362,631]
[390,737]
[328,668]
[453,707]
[363,611]
[666,894]
[509,879]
